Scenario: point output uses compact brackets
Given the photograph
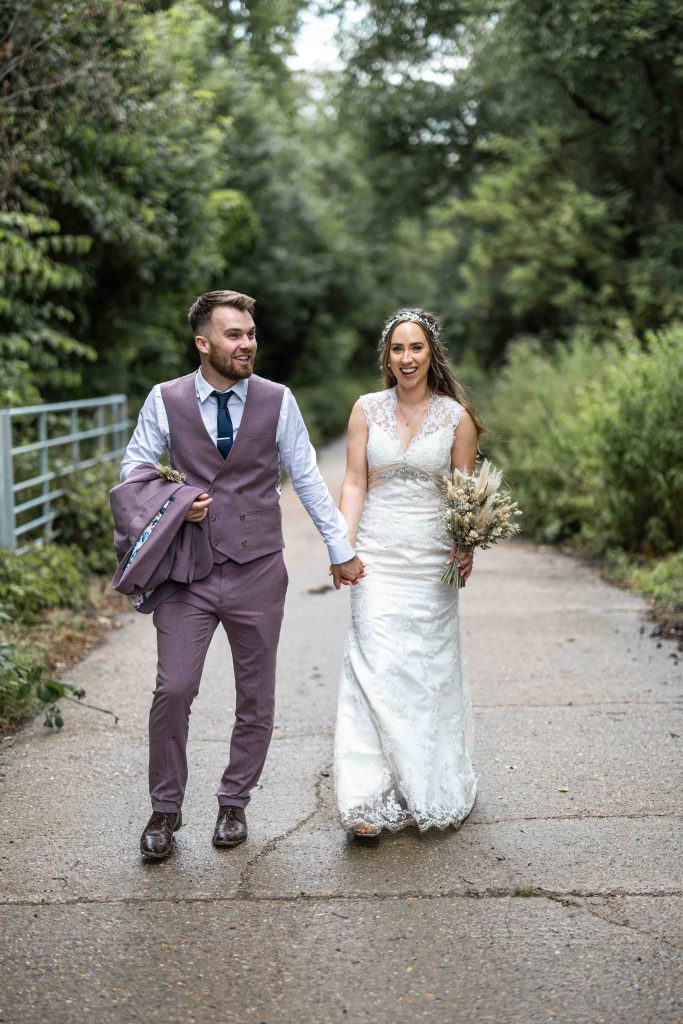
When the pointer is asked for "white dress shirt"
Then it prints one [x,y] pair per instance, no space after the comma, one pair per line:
[296,453]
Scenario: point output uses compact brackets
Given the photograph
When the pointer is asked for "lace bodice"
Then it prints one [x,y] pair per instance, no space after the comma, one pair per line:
[430,449]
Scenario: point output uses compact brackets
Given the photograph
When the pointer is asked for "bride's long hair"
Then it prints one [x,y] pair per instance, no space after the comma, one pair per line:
[440,377]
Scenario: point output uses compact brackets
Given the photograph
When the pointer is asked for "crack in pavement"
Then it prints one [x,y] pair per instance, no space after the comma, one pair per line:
[586,908]
[674,701]
[490,892]
[588,816]
[244,885]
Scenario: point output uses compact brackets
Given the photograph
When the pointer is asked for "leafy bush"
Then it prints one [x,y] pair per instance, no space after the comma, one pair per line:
[51,576]
[590,439]
[534,434]
[18,678]
[84,518]
[47,576]
[326,407]
[632,420]
[27,686]
[660,579]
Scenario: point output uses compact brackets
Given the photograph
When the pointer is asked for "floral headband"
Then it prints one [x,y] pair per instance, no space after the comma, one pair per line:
[417,318]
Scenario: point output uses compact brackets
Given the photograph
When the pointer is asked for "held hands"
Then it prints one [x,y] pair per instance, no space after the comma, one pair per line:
[347,573]
[464,562]
[198,509]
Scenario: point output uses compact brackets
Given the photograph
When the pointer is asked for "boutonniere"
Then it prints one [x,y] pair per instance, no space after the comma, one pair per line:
[169,474]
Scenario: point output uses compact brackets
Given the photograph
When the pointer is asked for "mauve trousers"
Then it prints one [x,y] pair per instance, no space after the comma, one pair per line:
[248,600]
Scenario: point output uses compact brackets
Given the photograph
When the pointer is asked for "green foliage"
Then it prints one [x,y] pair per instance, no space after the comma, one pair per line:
[18,681]
[26,686]
[108,162]
[535,148]
[631,417]
[326,407]
[534,434]
[42,577]
[50,94]
[153,152]
[518,170]
[84,516]
[524,891]
[45,577]
[590,439]
[660,579]
[540,246]
[35,345]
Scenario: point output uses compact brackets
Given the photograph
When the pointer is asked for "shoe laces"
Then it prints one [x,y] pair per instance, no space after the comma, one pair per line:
[159,817]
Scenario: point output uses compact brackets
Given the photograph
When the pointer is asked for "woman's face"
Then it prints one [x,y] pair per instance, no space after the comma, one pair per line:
[409,355]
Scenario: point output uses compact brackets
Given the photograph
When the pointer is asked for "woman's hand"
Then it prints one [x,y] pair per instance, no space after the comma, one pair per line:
[348,573]
[464,562]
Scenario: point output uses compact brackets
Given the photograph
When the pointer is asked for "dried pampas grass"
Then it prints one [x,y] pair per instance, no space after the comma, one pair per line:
[478,513]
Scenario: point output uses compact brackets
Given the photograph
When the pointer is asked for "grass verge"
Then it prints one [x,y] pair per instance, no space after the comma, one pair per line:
[48,647]
[659,580]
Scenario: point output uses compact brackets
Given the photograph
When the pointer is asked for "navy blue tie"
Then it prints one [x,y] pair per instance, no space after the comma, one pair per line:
[223,423]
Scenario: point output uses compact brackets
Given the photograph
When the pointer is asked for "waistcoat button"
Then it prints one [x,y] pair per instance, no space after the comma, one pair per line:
[243,516]
[239,490]
[244,543]
[213,519]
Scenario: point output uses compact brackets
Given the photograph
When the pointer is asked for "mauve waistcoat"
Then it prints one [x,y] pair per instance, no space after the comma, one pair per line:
[244,520]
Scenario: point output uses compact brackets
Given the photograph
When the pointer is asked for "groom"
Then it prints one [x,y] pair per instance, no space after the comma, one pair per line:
[228,431]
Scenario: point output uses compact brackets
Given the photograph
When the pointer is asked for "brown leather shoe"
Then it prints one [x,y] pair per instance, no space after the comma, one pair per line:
[231,827]
[156,841]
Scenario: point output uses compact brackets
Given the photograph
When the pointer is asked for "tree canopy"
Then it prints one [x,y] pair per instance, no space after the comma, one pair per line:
[537,147]
[516,166]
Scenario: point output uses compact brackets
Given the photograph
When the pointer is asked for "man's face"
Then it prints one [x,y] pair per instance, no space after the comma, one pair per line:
[228,345]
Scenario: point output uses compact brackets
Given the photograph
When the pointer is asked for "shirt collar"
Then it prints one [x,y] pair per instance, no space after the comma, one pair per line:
[204,389]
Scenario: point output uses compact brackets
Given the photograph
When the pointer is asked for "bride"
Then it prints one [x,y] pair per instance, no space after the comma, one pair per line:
[403,741]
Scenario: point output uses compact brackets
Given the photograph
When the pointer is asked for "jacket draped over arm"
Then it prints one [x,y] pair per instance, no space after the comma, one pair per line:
[156,548]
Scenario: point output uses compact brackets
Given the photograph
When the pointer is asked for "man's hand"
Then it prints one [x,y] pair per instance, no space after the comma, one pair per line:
[347,573]
[198,509]
[464,562]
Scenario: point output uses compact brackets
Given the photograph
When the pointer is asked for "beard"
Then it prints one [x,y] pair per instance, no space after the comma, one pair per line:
[228,366]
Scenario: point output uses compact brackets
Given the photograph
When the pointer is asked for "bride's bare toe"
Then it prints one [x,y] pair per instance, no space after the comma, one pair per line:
[365,831]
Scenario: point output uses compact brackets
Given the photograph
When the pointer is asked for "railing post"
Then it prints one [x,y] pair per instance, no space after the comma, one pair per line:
[44,470]
[100,422]
[7,538]
[75,445]
[123,419]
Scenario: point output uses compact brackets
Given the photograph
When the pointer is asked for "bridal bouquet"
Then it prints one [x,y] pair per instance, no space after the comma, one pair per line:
[478,513]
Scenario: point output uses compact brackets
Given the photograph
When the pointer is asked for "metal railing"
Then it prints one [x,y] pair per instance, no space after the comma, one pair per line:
[41,445]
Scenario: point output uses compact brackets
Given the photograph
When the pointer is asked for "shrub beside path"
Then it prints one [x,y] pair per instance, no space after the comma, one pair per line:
[558,900]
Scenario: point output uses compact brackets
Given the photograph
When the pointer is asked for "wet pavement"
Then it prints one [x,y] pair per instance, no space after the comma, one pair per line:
[558,900]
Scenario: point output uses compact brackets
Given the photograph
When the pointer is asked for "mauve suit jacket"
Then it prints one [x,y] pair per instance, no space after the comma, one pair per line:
[175,552]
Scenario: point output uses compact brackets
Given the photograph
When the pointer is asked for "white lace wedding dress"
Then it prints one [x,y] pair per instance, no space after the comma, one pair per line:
[403,741]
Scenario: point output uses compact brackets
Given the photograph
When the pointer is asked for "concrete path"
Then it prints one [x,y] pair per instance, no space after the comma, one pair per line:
[559,899]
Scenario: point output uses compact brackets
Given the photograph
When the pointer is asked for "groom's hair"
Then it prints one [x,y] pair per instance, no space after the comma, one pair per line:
[199,313]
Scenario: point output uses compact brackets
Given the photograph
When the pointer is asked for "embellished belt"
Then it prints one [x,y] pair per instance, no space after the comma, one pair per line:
[402,471]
